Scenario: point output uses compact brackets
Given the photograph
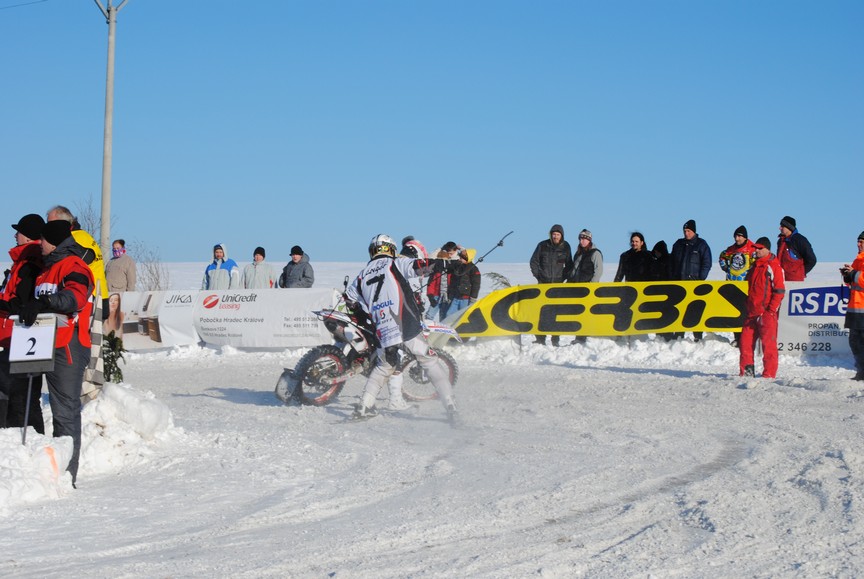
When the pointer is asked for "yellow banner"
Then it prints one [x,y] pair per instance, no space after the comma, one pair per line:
[608,309]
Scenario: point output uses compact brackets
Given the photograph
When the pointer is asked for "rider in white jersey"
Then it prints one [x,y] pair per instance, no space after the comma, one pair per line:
[383,292]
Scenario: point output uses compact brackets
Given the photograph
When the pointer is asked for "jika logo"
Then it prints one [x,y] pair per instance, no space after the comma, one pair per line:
[211,301]
[179,299]
[817,301]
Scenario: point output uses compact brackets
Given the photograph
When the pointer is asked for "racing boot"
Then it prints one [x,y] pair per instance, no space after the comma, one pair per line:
[397,401]
[363,413]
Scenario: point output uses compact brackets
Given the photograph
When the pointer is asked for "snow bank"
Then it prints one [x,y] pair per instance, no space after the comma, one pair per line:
[120,429]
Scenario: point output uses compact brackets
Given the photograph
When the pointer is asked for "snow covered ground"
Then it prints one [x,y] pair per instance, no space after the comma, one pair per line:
[613,458]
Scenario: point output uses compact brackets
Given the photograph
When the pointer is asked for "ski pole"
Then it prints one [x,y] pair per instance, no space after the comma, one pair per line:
[497,245]
[27,410]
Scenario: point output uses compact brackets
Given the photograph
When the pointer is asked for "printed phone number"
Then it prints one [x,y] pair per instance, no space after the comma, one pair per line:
[804,346]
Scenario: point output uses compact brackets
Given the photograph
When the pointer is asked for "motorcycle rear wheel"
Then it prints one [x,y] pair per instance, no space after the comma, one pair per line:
[319,363]
[417,387]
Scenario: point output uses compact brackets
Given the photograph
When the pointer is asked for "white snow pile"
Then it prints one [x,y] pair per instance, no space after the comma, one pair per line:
[120,429]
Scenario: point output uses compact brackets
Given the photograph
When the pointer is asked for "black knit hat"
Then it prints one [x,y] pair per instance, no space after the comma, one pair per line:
[861,235]
[788,223]
[296,250]
[30,226]
[742,231]
[691,225]
[406,239]
[56,232]
[259,251]
[764,242]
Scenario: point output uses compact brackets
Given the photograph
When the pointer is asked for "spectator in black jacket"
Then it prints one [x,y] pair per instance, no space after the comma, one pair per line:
[464,282]
[660,269]
[691,260]
[550,262]
[635,263]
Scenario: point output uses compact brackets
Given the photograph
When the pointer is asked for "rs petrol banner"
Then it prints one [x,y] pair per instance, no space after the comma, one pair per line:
[608,309]
[811,319]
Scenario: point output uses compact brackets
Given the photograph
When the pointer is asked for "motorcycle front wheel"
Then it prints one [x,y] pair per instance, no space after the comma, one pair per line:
[417,386]
[314,372]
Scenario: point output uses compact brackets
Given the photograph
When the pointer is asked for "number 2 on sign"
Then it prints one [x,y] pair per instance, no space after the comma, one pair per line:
[33,343]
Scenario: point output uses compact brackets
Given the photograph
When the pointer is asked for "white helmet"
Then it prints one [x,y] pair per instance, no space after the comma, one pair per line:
[382,244]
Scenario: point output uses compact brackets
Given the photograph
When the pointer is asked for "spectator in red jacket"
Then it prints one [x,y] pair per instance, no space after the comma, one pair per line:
[437,291]
[18,289]
[794,251]
[766,289]
[64,287]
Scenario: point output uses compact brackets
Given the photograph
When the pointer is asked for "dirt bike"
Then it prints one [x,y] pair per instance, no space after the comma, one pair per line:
[322,372]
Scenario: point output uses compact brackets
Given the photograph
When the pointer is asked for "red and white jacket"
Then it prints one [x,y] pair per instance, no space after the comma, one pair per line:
[68,283]
[26,266]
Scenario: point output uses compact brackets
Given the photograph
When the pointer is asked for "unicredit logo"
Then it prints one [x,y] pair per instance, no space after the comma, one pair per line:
[211,301]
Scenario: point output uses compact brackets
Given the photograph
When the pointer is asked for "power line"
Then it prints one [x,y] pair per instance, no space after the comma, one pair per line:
[23,4]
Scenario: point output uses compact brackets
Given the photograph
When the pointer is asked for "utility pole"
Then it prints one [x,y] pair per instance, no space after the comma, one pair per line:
[110,14]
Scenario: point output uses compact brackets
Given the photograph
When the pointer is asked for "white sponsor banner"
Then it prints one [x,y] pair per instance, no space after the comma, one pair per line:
[173,319]
[263,318]
[811,319]
[155,319]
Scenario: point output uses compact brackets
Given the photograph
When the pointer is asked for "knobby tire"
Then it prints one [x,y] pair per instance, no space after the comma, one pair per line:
[416,385]
[320,362]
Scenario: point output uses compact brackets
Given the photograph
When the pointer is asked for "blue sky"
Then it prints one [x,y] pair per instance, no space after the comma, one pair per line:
[322,123]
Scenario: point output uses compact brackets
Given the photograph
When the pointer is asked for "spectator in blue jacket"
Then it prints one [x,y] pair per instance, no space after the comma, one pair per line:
[223,273]
[691,260]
